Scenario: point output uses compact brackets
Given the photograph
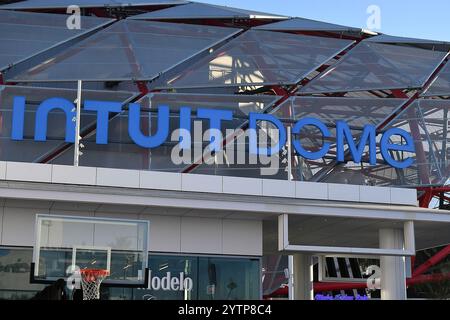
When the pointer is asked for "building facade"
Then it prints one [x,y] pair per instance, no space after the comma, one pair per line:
[241,137]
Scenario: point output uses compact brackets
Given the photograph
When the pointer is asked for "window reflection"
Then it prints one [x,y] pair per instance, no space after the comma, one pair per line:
[15,274]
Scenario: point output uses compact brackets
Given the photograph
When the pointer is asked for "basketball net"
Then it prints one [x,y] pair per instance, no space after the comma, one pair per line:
[91,279]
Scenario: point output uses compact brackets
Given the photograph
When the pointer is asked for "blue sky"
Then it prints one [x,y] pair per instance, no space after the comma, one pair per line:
[428,19]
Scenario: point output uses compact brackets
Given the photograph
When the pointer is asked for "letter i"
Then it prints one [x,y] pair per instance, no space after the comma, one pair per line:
[18,118]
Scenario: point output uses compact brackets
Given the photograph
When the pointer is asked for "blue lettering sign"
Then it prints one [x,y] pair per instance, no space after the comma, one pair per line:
[368,137]
[185,128]
[393,142]
[134,127]
[18,118]
[40,130]
[387,146]
[103,110]
[253,141]
[215,123]
[325,133]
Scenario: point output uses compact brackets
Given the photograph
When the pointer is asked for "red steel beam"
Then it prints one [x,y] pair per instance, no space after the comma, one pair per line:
[429,193]
[426,198]
[426,278]
[438,257]
[435,189]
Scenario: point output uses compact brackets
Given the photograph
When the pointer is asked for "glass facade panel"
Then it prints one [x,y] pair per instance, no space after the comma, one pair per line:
[356,112]
[260,57]
[302,24]
[228,279]
[372,66]
[274,273]
[428,122]
[122,51]
[441,86]
[20,33]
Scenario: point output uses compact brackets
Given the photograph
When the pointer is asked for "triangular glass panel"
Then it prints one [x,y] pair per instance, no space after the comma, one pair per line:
[258,58]
[302,24]
[441,85]
[21,33]
[127,50]
[376,66]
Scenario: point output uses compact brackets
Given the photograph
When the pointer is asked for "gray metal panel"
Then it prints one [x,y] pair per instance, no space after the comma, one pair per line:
[302,24]
[21,33]
[204,11]
[260,57]
[52,4]
[128,50]
[371,66]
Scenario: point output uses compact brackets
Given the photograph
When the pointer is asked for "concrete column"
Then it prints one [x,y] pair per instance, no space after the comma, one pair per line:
[393,276]
[303,277]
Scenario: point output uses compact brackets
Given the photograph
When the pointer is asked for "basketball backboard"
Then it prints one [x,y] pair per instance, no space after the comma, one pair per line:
[116,245]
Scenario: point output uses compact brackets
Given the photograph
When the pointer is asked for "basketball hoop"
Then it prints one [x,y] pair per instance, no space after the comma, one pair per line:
[91,279]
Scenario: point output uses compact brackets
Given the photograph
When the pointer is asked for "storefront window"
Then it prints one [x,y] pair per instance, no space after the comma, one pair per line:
[196,278]
[15,264]
[229,279]
[175,276]
[172,277]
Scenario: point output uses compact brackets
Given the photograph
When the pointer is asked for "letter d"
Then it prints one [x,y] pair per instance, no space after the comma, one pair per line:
[253,143]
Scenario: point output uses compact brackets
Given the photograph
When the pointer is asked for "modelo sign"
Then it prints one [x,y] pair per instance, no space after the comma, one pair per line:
[216,117]
[170,283]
